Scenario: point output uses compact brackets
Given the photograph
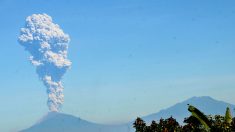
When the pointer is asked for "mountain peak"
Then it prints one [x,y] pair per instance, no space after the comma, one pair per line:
[51,116]
[179,111]
[201,98]
[60,122]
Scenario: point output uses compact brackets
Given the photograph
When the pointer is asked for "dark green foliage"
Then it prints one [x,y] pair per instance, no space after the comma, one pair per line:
[164,125]
[200,116]
[154,126]
[197,122]
[172,125]
[219,125]
[233,125]
[139,125]
[228,116]
[192,125]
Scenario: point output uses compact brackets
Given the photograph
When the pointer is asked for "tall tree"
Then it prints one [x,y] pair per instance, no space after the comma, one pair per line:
[139,125]
[154,126]
[228,116]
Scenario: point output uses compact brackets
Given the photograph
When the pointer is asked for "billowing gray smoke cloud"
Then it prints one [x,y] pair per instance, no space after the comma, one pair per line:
[48,46]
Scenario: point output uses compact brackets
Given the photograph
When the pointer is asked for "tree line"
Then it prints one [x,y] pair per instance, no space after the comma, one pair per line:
[196,122]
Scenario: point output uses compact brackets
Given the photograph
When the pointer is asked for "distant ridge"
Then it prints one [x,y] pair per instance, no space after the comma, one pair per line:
[179,111]
[59,122]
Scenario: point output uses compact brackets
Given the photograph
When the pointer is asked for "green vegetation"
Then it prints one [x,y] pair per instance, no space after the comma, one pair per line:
[228,116]
[197,122]
[200,117]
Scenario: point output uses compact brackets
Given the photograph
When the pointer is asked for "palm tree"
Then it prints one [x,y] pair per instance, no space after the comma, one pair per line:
[200,116]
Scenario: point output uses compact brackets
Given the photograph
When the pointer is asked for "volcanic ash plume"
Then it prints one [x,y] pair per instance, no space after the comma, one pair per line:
[48,46]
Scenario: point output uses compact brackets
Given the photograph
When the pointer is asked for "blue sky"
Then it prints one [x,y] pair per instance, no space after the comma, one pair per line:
[130,57]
